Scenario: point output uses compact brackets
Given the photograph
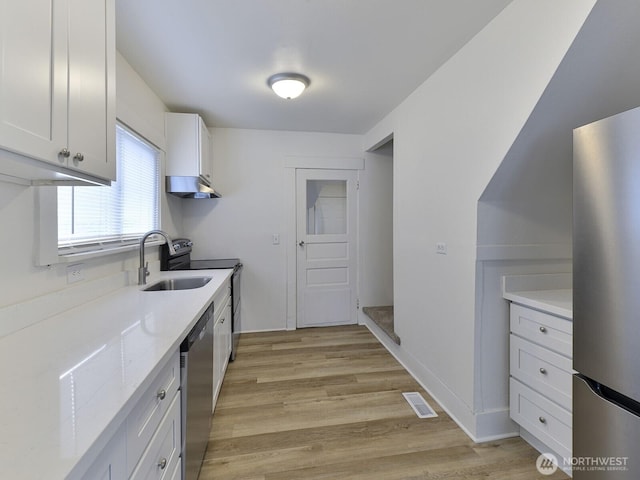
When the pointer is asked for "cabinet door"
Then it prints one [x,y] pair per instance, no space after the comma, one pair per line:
[33,78]
[91,91]
[227,335]
[221,348]
[205,153]
[188,144]
[217,361]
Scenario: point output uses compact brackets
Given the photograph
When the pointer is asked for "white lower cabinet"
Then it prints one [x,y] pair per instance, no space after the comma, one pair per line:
[144,420]
[162,455]
[540,399]
[147,445]
[177,472]
[542,418]
[111,464]
[221,340]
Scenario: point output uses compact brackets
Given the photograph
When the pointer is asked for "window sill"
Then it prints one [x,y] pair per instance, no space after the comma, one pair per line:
[103,252]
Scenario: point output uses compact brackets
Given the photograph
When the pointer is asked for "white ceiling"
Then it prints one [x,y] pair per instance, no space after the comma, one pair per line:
[363,57]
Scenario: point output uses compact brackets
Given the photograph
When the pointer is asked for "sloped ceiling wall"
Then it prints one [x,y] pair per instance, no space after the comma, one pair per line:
[528,200]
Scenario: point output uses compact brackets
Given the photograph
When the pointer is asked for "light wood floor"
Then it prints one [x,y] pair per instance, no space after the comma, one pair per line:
[326,403]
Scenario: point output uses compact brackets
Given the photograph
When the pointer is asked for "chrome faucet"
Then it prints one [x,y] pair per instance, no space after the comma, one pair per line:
[143,271]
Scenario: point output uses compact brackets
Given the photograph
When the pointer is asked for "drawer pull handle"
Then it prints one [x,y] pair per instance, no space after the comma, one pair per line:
[543,329]
[543,371]
[162,463]
[542,420]
[162,394]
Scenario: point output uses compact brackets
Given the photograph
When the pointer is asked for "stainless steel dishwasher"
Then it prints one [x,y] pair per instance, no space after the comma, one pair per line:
[196,383]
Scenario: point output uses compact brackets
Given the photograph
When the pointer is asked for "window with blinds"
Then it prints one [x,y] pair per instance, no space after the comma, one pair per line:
[95,218]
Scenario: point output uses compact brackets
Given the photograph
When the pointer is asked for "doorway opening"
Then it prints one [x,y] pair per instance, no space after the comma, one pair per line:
[376,289]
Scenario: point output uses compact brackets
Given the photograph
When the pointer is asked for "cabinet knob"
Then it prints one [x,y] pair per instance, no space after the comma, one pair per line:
[543,329]
[542,420]
[78,157]
[162,394]
[65,153]
[543,371]
[162,463]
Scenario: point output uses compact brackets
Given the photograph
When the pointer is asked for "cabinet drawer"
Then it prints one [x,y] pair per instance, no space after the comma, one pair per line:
[547,330]
[177,472]
[545,420]
[541,369]
[148,412]
[163,454]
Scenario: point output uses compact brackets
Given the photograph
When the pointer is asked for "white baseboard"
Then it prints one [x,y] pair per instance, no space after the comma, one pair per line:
[266,330]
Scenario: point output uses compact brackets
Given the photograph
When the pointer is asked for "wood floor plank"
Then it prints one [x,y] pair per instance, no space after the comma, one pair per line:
[326,403]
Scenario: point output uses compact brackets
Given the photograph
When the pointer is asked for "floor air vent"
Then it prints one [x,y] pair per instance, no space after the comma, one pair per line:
[419,405]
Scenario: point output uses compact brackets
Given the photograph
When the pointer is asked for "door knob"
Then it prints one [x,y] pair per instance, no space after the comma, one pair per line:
[301,243]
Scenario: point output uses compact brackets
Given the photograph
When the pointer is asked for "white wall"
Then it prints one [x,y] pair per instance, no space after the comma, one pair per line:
[525,212]
[248,169]
[142,110]
[21,280]
[375,230]
[450,136]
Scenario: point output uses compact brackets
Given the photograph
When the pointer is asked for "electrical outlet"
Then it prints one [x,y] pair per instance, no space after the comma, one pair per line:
[441,248]
[75,273]
[275,239]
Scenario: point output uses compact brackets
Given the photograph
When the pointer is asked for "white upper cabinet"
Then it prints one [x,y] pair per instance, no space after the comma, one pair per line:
[92,117]
[57,89]
[188,146]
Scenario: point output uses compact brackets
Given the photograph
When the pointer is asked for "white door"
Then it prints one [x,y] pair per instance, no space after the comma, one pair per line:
[326,237]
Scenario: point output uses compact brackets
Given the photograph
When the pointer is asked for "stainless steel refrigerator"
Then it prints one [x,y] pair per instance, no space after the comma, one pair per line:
[606,298]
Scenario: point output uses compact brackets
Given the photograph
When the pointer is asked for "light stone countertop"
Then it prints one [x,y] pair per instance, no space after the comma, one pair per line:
[551,293]
[69,381]
[556,302]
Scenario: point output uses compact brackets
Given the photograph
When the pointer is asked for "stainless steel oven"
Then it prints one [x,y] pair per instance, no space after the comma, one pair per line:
[182,261]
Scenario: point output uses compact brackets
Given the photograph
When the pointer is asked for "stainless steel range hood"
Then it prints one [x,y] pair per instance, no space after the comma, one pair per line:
[190,187]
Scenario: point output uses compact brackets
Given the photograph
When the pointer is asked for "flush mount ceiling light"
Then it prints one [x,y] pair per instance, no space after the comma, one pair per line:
[288,85]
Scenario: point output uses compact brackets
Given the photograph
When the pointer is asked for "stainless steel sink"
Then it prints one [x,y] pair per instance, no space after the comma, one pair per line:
[186,283]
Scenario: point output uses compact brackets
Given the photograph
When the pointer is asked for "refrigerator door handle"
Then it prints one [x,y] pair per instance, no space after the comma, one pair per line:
[603,429]
[604,392]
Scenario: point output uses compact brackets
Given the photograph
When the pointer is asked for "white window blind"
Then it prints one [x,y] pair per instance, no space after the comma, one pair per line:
[93,218]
